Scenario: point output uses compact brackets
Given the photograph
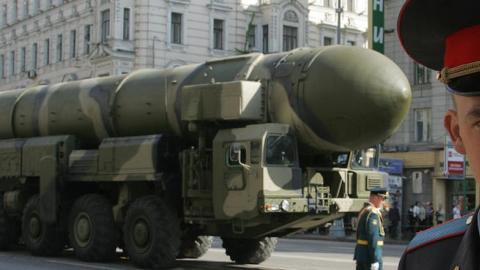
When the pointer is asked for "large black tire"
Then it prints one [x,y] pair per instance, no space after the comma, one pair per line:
[40,238]
[92,230]
[151,233]
[249,251]
[195,247]
[9,229]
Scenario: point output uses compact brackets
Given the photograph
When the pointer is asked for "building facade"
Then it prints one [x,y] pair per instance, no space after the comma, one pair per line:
[49,41]
[420,141]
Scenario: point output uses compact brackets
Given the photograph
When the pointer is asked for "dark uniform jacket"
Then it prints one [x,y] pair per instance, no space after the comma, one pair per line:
[370,235]
[454,245]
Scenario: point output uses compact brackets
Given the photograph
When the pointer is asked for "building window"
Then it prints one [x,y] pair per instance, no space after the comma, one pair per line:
[327,41]
[2,66]
[351,5]
[60,48]
[73,43]
[15,11]
[251,36]
[126,24]
[218,35]
[289,38]
[351,43]
[265,38]
[327,3]
[25,8]
[4,14]
[12,63]
[36,6]
[422,125]
[23,60]
[34,56]
[105,31]
[421,74]
[87,38]
[46,52]
[176,28]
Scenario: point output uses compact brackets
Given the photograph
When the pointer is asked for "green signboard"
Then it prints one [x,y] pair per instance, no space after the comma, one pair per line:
[376,25]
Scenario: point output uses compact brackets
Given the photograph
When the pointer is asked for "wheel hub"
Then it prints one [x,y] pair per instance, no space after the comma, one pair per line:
[141,234]
[82,229]
[35,227]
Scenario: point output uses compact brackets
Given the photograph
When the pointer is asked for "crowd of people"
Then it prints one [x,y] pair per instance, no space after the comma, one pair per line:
[420,216]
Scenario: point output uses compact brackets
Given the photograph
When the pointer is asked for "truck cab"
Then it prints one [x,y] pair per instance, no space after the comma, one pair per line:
[258,179]
[255,167]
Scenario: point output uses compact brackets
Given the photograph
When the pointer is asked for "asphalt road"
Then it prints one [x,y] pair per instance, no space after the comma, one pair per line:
[291,254]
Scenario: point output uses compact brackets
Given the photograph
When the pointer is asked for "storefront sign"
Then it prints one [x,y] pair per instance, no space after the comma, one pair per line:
[454,166]
[376,25]
[391,166]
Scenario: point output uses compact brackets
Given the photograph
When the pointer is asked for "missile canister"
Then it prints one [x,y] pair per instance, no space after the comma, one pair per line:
[336,98]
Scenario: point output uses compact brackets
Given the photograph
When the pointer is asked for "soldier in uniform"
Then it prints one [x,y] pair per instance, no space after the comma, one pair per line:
[444,35]
[370,233]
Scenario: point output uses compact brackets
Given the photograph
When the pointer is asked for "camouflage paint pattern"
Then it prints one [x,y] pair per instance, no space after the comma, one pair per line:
[331,97]
[252,181]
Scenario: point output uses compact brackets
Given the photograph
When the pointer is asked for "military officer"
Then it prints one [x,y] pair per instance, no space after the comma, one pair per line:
[370,233]
[444,35]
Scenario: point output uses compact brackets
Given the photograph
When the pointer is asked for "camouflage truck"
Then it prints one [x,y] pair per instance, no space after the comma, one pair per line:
[246,148]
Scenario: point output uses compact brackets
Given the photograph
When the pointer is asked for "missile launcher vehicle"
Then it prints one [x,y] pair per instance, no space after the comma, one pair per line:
[246,148]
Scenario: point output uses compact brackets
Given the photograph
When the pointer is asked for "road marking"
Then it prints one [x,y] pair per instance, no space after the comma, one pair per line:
[314,257]
[194,266]
[83,265]
[320,258]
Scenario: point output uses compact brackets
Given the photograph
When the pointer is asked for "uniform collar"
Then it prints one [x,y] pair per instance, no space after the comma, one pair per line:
[468,250]
[375,209]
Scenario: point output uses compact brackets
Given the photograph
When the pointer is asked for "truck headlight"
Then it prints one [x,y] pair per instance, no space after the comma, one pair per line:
[285,205]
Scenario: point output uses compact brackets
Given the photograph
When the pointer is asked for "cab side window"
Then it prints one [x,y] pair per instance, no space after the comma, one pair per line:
[236,155]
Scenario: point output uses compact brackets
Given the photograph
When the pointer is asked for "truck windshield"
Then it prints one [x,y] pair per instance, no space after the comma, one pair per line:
[366,158]
[280,150]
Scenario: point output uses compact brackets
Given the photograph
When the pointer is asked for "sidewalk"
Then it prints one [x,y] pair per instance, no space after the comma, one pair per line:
[350,238]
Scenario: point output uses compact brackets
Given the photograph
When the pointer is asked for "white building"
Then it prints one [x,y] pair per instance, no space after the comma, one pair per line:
[420,141]
[423,129]
[47,41]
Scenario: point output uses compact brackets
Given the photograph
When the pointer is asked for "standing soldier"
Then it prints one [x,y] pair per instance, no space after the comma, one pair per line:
[444,35]
[370,233]
[394,217]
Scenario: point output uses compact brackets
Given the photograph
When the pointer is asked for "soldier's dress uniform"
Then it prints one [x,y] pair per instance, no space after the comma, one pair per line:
[444,35]
[370,236]
[453,245]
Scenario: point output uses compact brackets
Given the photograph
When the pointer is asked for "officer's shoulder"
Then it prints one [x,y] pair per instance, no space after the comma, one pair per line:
[450,229]
[371,211]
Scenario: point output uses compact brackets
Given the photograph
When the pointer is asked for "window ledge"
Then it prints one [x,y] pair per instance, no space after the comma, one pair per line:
[217,52]
[177,47]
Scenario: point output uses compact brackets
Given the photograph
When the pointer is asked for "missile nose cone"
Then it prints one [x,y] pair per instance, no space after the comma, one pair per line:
[354,98]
